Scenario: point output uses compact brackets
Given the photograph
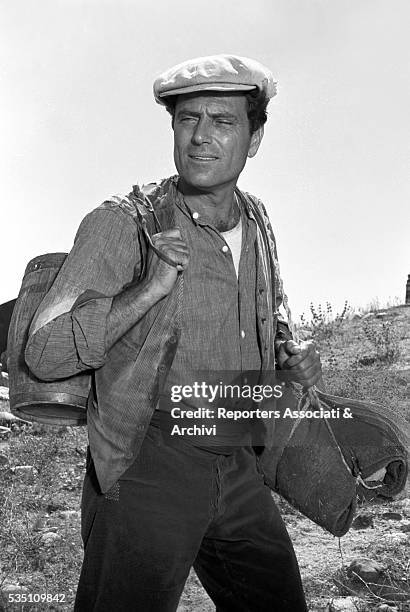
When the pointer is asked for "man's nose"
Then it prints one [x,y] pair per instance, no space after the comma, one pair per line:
[202,132]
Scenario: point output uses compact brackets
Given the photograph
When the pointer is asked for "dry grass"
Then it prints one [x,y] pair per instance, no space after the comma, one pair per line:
[34,502]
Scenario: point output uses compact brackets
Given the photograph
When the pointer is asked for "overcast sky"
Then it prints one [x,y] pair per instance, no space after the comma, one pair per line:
[78,123]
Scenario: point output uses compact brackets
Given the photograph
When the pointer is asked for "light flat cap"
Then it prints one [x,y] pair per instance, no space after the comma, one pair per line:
[214,73]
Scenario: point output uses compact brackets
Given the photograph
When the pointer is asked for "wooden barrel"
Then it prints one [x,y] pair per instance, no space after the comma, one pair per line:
[60,402]
[6,310]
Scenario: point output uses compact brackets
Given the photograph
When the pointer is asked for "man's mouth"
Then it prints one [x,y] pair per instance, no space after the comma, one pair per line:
[203,157]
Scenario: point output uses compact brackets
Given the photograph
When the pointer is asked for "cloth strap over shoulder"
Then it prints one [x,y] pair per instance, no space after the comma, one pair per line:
[140,206]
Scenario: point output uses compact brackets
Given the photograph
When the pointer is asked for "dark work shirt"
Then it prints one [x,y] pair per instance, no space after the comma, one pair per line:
[219,329]
[68,332]
[219,337]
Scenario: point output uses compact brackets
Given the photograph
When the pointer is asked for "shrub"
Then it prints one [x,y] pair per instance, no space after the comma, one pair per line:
[384,339]
[324,323]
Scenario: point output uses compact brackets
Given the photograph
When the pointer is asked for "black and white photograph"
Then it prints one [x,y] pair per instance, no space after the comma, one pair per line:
[205,306]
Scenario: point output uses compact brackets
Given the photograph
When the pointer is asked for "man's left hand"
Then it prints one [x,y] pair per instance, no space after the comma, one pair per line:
[302,360]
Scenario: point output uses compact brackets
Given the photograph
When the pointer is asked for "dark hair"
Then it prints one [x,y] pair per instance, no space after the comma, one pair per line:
[257,104]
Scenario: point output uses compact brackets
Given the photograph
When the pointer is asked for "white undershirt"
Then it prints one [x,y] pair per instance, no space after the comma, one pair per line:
[233,239]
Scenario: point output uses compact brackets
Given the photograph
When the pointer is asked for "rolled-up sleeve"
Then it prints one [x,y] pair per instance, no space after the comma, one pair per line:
[68,331]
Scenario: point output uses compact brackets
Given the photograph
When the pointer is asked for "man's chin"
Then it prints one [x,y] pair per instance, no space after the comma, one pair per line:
[200,183]
[197,184]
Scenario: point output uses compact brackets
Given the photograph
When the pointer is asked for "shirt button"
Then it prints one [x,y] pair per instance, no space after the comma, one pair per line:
[225,249]
[243,334]
[195,215]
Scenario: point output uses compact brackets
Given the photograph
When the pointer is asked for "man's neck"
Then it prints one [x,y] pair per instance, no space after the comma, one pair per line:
[220,208]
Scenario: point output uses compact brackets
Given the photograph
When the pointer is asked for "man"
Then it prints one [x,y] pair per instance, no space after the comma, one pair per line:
[152,313]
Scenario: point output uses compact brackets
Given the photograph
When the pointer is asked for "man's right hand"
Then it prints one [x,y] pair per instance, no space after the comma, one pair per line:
[161,276]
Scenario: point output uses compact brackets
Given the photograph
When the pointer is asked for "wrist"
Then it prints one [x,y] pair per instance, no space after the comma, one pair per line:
[153,290]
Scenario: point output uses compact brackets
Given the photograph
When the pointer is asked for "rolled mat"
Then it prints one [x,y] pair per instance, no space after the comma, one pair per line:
[320,465]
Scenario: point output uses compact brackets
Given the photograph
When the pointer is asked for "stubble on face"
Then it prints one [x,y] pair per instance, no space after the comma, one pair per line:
[212,140]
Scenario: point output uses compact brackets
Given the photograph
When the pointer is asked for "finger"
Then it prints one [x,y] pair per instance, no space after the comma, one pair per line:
[165,248]
[292,347]
[172,250]
[161,243]
[172,253]
[313,380]
[171,239]
[301,358]
[305,377]
[308,376]
[306,354]
[308,345]
[309,372]
[178,258]
[174,232]
[177,255]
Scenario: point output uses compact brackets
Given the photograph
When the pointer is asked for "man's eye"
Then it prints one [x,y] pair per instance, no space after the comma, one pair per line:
[187,119]
[224,121]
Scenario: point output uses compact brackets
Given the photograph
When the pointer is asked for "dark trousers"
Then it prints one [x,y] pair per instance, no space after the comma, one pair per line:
[178,507]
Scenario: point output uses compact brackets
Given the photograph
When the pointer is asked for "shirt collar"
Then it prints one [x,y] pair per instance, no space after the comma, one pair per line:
[203,219]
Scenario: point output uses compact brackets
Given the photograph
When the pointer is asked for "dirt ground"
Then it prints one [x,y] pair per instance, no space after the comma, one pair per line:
[323,557]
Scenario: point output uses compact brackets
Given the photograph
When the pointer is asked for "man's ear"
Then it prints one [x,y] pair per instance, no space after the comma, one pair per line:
[256,140]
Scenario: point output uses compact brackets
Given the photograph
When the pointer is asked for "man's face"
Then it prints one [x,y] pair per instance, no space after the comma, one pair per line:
[212,139]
